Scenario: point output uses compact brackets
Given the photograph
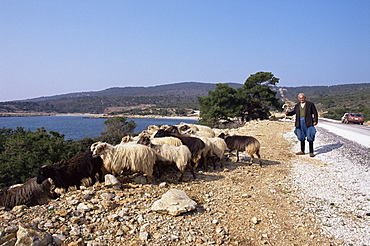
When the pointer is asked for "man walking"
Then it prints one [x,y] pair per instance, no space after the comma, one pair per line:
[305,122]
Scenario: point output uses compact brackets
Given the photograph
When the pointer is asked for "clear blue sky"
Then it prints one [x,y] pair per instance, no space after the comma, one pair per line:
[56,47]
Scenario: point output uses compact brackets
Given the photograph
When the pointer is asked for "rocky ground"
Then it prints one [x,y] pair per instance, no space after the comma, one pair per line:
[240,204]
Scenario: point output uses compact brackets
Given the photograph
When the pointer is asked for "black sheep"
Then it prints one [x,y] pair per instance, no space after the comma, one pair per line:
[195,145]
[75,169]
[30,194]
[243,143]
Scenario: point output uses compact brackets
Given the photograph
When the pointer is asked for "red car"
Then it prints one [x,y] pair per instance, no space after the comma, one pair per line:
[353,117]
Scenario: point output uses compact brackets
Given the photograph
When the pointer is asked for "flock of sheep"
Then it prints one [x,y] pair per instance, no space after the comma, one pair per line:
[186,146]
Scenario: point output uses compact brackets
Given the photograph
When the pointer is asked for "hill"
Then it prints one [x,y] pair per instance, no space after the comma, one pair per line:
[332,101]
[182,99]
[161,100]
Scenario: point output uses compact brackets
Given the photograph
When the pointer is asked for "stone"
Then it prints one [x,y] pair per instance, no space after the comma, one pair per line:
[58,239]
[8,239]
[174,202]
[140,180]
[32,237]
[10,229]
[247,195]
[112,181]
[107,196]
[79,242]
[19,208]
[123,212]
[143,234]
[255,220]
[108,205]
[81,207]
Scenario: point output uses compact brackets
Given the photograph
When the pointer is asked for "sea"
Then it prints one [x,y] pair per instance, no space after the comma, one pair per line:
[80,127]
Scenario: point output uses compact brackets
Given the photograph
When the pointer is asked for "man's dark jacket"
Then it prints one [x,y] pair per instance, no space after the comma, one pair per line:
[311,115]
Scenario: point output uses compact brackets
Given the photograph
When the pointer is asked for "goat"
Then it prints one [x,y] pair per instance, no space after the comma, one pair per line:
[243,143]
[179,155]
[195,145]
[73,172]
[126,157]
[30,194]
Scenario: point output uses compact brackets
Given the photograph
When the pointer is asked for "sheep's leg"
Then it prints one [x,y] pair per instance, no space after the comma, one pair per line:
[204,162]
[237,155]
[182,174]
[159,170]
[192,171]
[259,157]
[93,179]
[196,161]
[149,178]
[222,162]
[214,162]
[101,177]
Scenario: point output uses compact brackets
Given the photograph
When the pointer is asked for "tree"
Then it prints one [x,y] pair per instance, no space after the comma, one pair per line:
[116,128]
[23,152]
[256,96]
[220,105]
[253,100]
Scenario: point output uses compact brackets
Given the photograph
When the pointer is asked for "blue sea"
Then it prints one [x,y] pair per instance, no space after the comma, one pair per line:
[79,127]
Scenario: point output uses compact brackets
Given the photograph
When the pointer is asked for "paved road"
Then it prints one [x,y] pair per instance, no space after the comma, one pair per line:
[353,132]
[342,142]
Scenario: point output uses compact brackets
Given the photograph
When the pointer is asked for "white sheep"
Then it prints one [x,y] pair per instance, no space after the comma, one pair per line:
[126,157]
[159,141]
[219,147]
[167,140]
[204,131]
[207,151]
[167,154]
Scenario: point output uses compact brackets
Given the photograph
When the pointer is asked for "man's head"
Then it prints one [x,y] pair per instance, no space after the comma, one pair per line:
[302,97]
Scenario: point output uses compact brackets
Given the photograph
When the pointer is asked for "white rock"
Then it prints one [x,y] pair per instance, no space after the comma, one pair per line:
[58,239]
[163,185]
[33,237]
[111,181]
[174,202]
[82,208]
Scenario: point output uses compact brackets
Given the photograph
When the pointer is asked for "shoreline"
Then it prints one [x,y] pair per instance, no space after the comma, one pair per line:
[87,115]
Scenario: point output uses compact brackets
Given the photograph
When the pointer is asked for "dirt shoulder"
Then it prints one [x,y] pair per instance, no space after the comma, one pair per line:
[239,205]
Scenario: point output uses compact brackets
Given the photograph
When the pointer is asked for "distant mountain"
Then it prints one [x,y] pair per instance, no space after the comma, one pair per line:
[130,100]
[176,89]
[182,98]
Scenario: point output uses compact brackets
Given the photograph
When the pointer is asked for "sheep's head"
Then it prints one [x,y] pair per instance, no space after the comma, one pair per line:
[126,139]
[161,133]
[173,129]
[44,173]
[94,145]
[184,128]
[152,128]
[222,135]
[164,127]
[99,149]
[144,140]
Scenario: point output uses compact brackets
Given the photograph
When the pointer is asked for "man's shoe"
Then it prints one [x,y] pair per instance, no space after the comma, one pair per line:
[312,155]
[300,153]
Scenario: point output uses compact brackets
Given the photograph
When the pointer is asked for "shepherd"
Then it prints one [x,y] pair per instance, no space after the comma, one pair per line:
[306,120]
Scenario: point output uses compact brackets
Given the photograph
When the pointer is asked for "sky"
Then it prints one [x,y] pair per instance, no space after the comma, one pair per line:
[56,47]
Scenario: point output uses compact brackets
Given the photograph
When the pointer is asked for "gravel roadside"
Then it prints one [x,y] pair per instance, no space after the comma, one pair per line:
[334,187]
[241,204]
